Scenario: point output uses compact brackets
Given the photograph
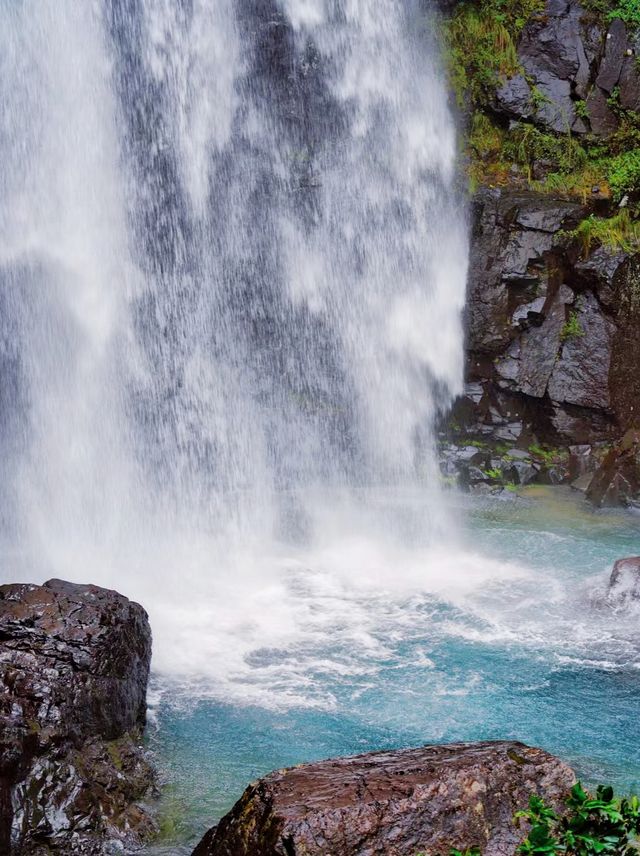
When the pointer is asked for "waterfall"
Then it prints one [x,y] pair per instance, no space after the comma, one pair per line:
[232,269]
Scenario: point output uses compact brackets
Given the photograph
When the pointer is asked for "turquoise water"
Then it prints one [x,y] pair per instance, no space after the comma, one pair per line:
[519,644]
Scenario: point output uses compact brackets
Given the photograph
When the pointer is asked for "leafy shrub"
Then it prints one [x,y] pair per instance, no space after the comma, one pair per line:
[591,825]
[493,473]
[619,232]
[628,11]
[624,173]
[600,825]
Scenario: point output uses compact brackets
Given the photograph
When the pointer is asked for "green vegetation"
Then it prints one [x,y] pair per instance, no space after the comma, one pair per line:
[618,232]
[591,825]
[526,144]
[623,172]
[493,473]
[600,825]
[480,45]
[627,10]
[572,329]
[547,456]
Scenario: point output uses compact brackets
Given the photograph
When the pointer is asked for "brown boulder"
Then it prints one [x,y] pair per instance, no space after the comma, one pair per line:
[393,803]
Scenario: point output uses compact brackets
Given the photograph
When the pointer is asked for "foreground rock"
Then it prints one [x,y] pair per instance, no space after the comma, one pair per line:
[393,803]
[74,664]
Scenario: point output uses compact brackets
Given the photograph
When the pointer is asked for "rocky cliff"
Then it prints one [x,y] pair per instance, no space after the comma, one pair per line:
[553,309]
[74,664]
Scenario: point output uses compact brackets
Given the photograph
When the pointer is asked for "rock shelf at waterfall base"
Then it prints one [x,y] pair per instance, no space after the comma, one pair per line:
[74,665]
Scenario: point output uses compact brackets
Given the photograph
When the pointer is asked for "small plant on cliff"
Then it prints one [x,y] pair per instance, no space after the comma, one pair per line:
[547,456]
[572,328]
[591,826]
[493,473]
[619,232]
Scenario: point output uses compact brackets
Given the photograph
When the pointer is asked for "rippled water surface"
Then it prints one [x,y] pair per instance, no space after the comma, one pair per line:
[503,634]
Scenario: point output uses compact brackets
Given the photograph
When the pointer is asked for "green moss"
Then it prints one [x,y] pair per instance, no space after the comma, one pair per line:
[608,10]
[113,749]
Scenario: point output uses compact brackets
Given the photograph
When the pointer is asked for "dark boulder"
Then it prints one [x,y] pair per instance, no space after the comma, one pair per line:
[597,272]
[74,665]
[393,803]
[624,582]
[513,233]
[514,98]
[624,372]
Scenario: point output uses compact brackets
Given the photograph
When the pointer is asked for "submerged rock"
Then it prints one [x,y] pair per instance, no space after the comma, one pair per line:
[74,665]
[394,803]
[624,583]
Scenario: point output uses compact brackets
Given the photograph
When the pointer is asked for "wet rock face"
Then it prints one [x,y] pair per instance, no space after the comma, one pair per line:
[392,803]
[74,665]
[550,331]
[617,480]
[567,58]
[552,356]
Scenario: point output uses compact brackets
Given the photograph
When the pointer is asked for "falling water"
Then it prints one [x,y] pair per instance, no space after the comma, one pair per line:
[232,268]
